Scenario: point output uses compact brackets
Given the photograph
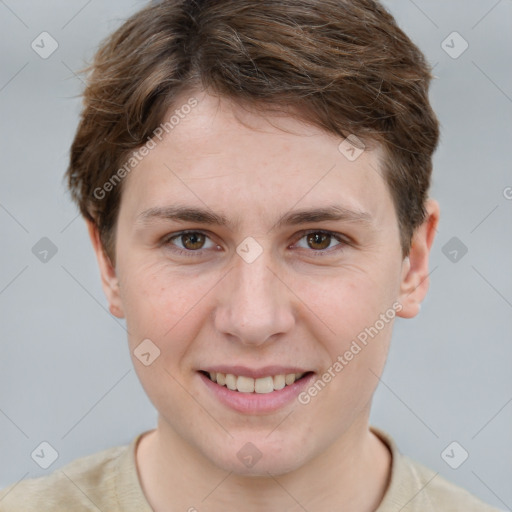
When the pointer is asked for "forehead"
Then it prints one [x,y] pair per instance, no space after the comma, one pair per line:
[221,156]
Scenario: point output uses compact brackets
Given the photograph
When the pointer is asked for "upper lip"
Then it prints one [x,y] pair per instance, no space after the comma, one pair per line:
[255,373]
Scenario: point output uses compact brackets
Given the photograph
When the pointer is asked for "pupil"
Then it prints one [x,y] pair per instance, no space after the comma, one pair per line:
[316,238]
[193,237]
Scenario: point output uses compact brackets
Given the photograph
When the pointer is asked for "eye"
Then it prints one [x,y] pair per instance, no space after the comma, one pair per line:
[319,241]
[192,242]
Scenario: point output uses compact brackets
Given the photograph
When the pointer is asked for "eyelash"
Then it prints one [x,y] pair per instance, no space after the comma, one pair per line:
[192,254]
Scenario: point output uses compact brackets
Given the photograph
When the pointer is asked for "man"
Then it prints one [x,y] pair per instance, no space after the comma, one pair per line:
[254,176]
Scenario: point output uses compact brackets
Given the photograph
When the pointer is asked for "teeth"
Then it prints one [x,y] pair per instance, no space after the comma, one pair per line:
[264,385]
[289,379]
[249,385]
[279,382]
[244,384]
[231,381]
[220,378]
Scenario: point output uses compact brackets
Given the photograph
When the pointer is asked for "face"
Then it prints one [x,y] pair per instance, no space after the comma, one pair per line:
[252,288]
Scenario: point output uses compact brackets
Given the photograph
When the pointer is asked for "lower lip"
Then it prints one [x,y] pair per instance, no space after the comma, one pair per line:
[257,403]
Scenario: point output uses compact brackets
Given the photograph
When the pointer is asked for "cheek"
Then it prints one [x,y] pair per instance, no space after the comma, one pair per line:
[357,340]
[347,303]
[164,306]
[335,305]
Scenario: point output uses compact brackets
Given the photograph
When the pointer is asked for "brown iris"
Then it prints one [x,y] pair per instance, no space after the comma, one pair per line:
[196,240]
[319,238]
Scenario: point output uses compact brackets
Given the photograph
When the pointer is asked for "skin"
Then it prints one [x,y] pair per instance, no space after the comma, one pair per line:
[290,306]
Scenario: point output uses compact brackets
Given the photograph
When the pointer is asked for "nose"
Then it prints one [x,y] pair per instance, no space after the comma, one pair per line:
[255,305]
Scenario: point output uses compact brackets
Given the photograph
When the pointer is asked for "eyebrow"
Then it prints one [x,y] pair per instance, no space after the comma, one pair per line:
[293,218]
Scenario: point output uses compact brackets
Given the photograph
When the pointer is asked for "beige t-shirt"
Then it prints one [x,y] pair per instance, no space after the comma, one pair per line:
[108,481]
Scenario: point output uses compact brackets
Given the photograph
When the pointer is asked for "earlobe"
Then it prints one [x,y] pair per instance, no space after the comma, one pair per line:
[415,274]
[109,279]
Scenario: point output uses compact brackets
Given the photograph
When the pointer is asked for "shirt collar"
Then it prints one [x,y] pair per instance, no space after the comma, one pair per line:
[405,491]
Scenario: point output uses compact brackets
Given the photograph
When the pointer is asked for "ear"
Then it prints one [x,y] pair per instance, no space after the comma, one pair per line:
[415,280]
[109,280]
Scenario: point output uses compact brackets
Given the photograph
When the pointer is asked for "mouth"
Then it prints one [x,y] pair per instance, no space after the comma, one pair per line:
[267,392]
[261,385]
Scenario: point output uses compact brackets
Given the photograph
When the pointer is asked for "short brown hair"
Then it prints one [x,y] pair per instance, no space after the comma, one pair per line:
[342,65]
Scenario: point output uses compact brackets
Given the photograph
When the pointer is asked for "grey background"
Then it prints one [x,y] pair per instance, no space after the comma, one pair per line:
[65,372]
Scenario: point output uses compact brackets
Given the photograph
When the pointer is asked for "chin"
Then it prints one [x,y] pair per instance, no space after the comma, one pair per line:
[257,457]
[262,468]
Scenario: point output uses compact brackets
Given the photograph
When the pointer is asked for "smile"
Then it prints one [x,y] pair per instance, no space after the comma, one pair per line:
[260,385]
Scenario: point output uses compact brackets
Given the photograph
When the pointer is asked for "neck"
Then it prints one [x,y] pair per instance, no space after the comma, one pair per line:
[353,472]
